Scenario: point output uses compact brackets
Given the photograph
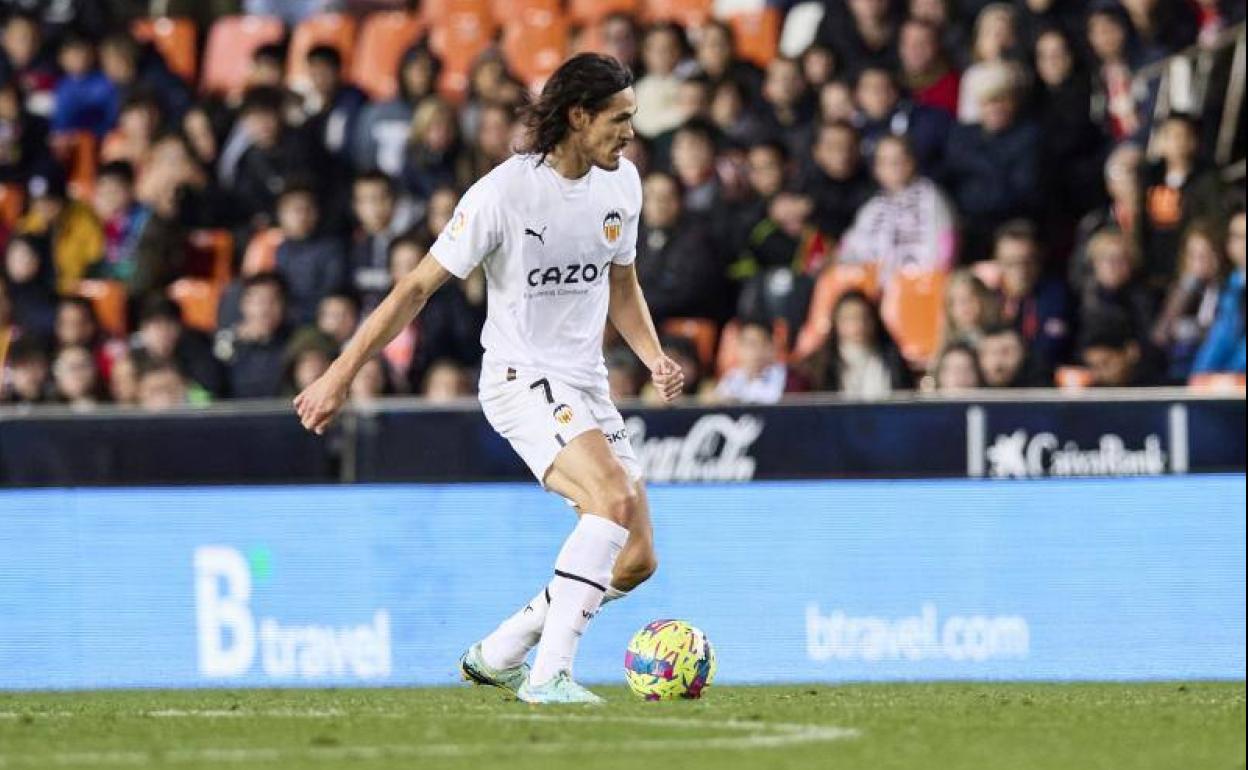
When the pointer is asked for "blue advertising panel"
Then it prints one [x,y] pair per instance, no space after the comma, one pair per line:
[793,581]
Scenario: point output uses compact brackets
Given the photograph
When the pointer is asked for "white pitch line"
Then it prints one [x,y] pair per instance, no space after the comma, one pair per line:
[756,735]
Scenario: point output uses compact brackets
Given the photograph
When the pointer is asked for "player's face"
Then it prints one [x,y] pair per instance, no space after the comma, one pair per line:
[610,131]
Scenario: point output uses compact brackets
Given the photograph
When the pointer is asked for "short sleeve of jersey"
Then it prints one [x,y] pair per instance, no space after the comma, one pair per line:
[475,230]
[628,243]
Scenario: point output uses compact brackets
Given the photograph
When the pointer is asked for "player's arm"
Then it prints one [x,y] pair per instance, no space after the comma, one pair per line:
[321,400]
[631,316]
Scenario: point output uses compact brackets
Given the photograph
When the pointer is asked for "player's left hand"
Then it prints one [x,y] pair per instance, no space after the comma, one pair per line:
[668,378]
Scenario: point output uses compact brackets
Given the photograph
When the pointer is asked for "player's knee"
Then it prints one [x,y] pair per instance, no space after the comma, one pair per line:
[619,501]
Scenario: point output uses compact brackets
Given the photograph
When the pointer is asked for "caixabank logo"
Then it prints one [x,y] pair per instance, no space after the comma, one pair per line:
[234,641]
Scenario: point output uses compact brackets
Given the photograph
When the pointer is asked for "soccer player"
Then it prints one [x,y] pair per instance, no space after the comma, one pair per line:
[555,228]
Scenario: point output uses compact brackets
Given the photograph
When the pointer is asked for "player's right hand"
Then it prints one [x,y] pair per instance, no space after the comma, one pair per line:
[319,402]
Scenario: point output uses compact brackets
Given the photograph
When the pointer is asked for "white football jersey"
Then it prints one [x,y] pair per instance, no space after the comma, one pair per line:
[547,245]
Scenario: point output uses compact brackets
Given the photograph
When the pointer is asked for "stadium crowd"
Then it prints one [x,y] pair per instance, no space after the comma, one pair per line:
[936,194]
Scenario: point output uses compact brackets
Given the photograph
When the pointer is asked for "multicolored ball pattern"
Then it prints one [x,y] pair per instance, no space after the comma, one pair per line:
[669,659]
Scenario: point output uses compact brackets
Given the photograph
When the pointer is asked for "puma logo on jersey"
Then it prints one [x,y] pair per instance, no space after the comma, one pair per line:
[539,236]
[568,274]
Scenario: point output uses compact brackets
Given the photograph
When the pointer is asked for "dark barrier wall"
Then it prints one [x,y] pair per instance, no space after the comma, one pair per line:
[914,438]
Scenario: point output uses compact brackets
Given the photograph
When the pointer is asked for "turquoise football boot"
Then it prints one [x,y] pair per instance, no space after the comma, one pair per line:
[474,669]
[560,689]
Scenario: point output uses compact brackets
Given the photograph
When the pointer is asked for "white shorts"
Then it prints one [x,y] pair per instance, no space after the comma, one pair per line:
[540,415]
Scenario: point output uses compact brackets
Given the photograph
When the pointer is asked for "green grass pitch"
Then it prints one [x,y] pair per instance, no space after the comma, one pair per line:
[933,726]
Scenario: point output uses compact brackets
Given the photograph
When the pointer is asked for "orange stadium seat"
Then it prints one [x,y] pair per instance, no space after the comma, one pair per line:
[913,310]
[198,299]
[687,13]
[384,38]
[261,254]
[231,43]
[1217,382]
[727,357]
[458,35]
[210,255]
[535,45]
[175,40]
[506,11]
[832,283]
[702,332]
[1072,377]
[12,200]
[332,29]
[757,34]
[594,11]
[77,153]
[108,299]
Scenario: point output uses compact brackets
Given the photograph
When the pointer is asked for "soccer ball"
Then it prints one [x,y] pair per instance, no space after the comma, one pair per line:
[669,659]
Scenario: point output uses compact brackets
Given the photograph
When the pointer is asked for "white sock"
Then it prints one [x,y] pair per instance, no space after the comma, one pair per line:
[582,573]
[510,643]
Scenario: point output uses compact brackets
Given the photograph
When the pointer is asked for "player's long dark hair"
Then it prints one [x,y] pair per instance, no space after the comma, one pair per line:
[587,80]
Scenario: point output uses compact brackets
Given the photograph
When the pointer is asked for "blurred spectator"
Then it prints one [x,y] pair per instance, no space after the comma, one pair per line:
[370,383]
[623,372]
[1176,190]
[1035,17]
[446,381]
[678,266]
[136,71]
[970,308]
[1115,284]
[693,161]
[77,381]
[121,218]
[926,73]
[23,137]
[337,316]
[31,291]
[882,112]
[780,258]
[162,338]
[732,115]
[86,100]
[1111,352]
[69,226]
[1161,26]
[819,66]
[957,369]
[836,103]
[860,359]
[381,219]
[202,135]
[866,35]
[331,104]
[434,156]
[1115,102]
[306,358]
[992,169]
[172,191]
[76,326]
[28,380]
[759,377]
[994,46]
[161,387]
[447,329]
[493,141]
[1122,181]
[716,58]
[908,225]
[25,63]
[837,182]
[277,153]
[123,381]
[619,35]
[252,349]
[788,108]
[1192,302]
[137,124]
[1040,307]
[1223,349]
[939,14]
[1073,147]
[658,107]
[312,265]
[383,129]
[1005,362]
